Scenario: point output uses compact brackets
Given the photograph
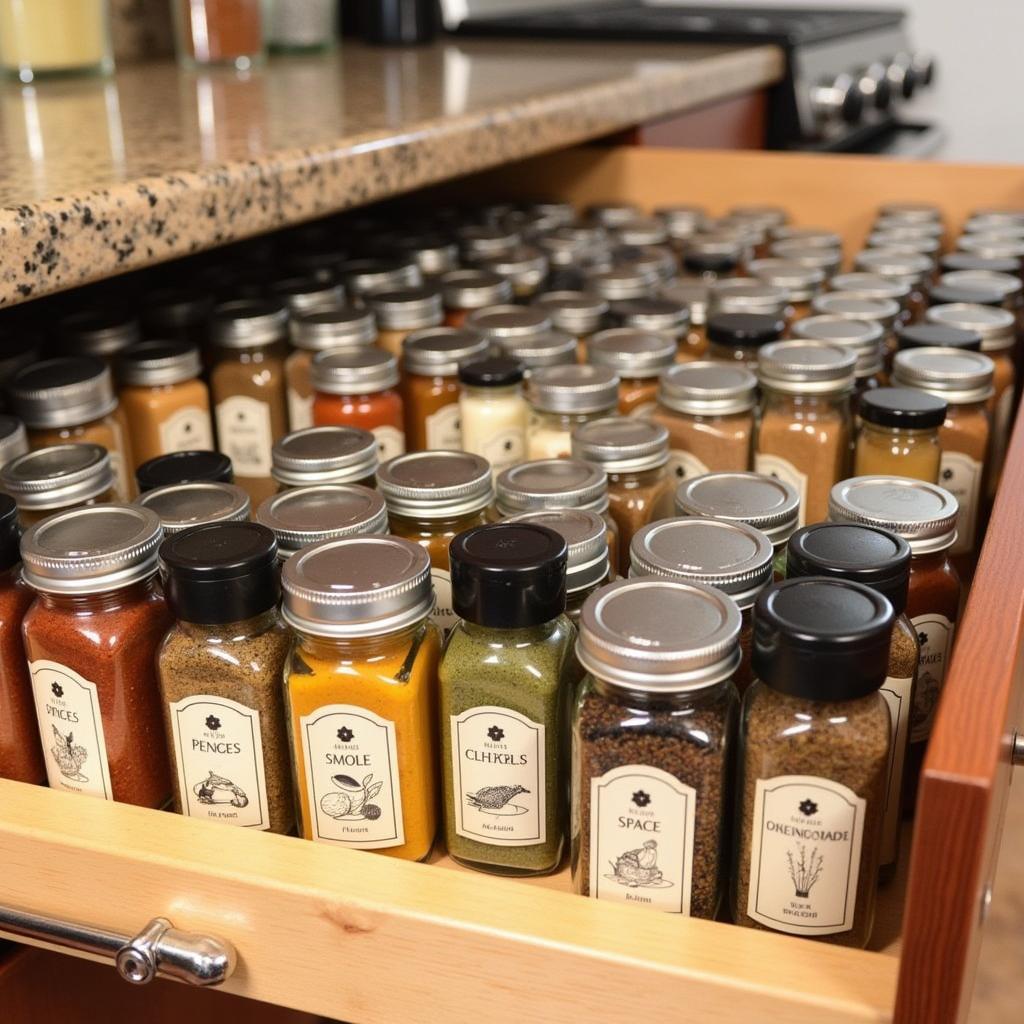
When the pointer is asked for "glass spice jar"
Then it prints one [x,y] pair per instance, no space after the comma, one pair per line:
[433,254]
[864,338]
[183,467]
[362,277]
[165,403]
[220,669]
[493,412]
[562,398]
[638,358]
[925,516]
[102,333]
[325,455]
[621,282]
[766,503]
[307,515]
[710,257]
[401,311]
[910,269]
[899,434]
[55,39]
[310,293]
[432,497]
[738,337]
[682,222]
[71,399]
[814,757]
[360,694]
[579,314]
[525,266]
[665,316]
[505,680]
[463,291]
[865,285]
[880,560]
[708,410]
[802,284]
[691,293]
[248,388]
[806,427]
[359,388]
[652,732]
[797,250]
[219,32]
[725,554]
[430,384]
[64,476]
[181,506]
[91,638]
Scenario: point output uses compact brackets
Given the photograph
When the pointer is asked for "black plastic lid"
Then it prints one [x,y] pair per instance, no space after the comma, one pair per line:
[977,294]
[184,468]
[494,372]
[220,572]
[856,553]
[902,407]
[508,575]
[711,262]
[742,330]
[10,534]
[822,639]
[968,261]
[927,335]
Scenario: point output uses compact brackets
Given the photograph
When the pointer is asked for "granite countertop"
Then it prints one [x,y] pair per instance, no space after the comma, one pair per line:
[102,176]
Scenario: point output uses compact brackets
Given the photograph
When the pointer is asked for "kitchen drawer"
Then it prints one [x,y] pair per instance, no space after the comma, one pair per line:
[370,939]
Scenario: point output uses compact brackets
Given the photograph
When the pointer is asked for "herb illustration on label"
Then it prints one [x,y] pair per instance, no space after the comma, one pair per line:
[186,430]
[505,449]
[245,434]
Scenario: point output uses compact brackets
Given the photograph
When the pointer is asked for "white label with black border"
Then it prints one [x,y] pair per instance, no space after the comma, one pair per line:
[784,470]
[961,476]
[897,693]
[935,635]
[390,442]
[245,434]
[444,428]
[186,430]
[444,615]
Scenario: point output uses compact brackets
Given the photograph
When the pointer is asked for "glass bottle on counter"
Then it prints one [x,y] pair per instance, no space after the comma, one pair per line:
[638,358]
[165,403]
[576,313]
[431,498]
[505,681]
[247,385]
[72,399]
[864,338]
[218,32]
[320,330]
[50,480]
[184,467]
[900,434]
[361,694]
[181,506]
[91,638]
[652,730]
[325,455]
[805,429]
[430,384]
[814,757]
[493,411]
[801,283]
[103,333]
[220,669]
[359,388]
[462,291]
[634,455]
[401,311]
[725,554]
[561,399]
[66,37]
[925,516]
[13,439]
[738,337]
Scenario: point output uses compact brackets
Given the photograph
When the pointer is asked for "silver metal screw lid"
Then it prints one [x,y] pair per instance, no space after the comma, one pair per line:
[482,240]
[797,250]
[473,289]
[248,323]
[911,211]
[91,550]
[1009,285]
[653,314]
[871,286]
[766,215]
[991,248]
[13,439]
[324,455]
[100,333]
[586,537]
[708,388]
[959,377]
[996,326]
[439,351]
[574,312]
[894,222]
[180,506]
[632,353]
[764,502]
[922,513]
[621,444]
[303,294]
[611,214]
[682,221]
[822,238]
[727,555]
[622,282]
[436,484]
[63,392]
[909,267]
[857,307]
[317,330]
[549,348]
[403,309]
[659,635]
[641,231]
[806,367]
[503,323]
[862,337]
[308,515]
[363,276]
[55,477]
[432,254]
[353,372]
[905,240]
[691,292]
[551,483]
[573,388]
[357,587]
[153,364]
[981,220]
[525,265]
[748,295]
[801,283]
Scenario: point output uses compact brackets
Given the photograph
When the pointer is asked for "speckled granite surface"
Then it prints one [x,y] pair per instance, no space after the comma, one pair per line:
[97,177]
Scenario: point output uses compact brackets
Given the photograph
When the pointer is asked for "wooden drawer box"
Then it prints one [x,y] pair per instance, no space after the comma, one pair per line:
[370,939]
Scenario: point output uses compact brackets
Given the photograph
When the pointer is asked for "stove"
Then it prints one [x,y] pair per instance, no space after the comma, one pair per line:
[851,74]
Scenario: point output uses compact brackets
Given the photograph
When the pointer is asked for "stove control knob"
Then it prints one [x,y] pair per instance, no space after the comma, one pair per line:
[873,82]
[902,76]
[838,99]
[924,68]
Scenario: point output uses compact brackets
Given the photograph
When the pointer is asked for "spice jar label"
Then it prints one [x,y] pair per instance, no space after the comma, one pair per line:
[390,442]
[897,694]
[300,410]
[245,434]
[218,747]
[684,465]
[784,470]
[117,459]
[505,448]
[350,760]
[805,855]
[641,838]
[935,634]
[961,476]
[186,430]
[68,711]
[444,428]
[444,615]
[499,780]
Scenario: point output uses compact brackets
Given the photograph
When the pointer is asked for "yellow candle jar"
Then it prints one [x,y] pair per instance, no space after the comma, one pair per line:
[46,37]
[360,694]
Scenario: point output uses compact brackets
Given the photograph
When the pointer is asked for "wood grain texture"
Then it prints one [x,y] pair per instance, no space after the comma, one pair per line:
[734,123]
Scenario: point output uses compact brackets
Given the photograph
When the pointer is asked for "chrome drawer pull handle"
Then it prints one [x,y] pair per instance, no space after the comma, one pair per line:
[158,951]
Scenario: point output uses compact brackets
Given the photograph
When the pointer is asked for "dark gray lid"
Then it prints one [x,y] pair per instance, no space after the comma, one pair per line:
[573,388]
[551,483]
[960,377]
[586,535]
[55,477]
[180,506]
[708,388]
[354,371]
[621,444]
[248,323]
[806,367]
[548,348]
[63,392]
[340,327]
[632,353]
[436,484]
[575,312]
[765,502]
[153,364]
[439,351]
[324,455]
